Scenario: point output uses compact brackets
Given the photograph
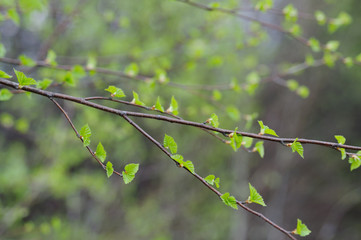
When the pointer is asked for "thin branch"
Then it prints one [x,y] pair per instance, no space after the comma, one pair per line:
[225,132]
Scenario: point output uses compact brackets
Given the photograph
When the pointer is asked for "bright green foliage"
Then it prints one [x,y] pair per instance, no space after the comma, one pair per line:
[161,76]
[78,71]
[341,140]
[100,152]
[169,143]
[254,196]
[26,61]
[229,200]
[91,62]
[342,19]
[136,99]
[358,58]
[247,142]
[109,169]
[70,79]
[214,120]
[13,15]
[355,161]
[4,75]
[23,79]
[258,147]
[214,5]
[2,49]
[50,58]
[211,179]
[264,5]
[266,130]
[187,164]
[216,95]
[303,91]
[85,134]
[301,229]
[129,172]
[314,44]
[295,30]
[332,45]
[159,106]
[115,92]
[236,140]
[178,158]
[173,108]
[309,60]
[5,94]
[348,62]
[329,59]
[132,69]
[320,17]
[290,12]
[44,84]
[297,146]
[233,113]
[292,84]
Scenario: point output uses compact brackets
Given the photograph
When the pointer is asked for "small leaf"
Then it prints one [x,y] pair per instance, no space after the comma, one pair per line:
[233,113]
[159,106]
[169,143]
[178,158]
[45,83]
[340,139]
[23,79]
[85,134]
[297,146]
[216,181]
[136,99]
[301,229]
[332,45]
[5,94]
[100,152]
[214,120]
[290,13]
[189,165]
[229,200]
[129,172]
[26,61]
[314,44]
[109,169]
[320,17]
[303,91]
[115,92]
[266,130]
[69,78]
[210,179]
[343,153]
[50,58]
[4,75]
[264,5]
[132,69]
[2,49]
[247,142]
[254,196]
[355,161]
[292,84]
[236,140]
[259,148]
[173,108]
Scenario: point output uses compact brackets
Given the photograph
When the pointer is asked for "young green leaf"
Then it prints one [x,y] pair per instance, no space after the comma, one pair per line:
[213,120]
[109,169]
[254,196]
[4,75]
[189,165]
[216,181]
[266,130]
[303,91]
[210,179]
[332,45]
[236,140]
[173,108]
[136,99]
[129,172]
[26,61]
[343,153]
[159,106]
[247,142]
[115,92]
[229,200]
[320,17]
[23,79]
[301,229]
[44,84]
[314,44]
[264,5]
[355,161]
[297,146]
[290,13]
[50,58]
[169,143]
[178,158]
[340,139]
[100,152]
[259,148]
[132,69]
[5,94]
[69,78]
[85,134]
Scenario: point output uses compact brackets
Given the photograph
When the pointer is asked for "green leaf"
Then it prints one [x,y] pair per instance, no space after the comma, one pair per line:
[23,79]
[169,143]
[355,161]
[329,59]
[2,49]
[297,146]
[292,84]
[332,45]
[69,78]
[320,17]
[264,5]
[290,13]
[100,152]
[266,130]
[215,5]
[216,181]
[210,179]
[45,83]
[216,95]
[189,165]
[159,106]
[348,62]
[309,60]
[229,200]
[254,196]
[343,153]
[295,30]
[233,113]
[26,61]
[78,71]
[259,148]
[13,15]
[303,91]
[132,69]
[301,229]
[340,139]
[129,172]
[5,94]
[109,169]
[178,158]
[236,140]
[85,134]
[214,120]
[173,108]
[50,58]
[115,92]
[247,142]
[314,44]
[136,99]
[4,75]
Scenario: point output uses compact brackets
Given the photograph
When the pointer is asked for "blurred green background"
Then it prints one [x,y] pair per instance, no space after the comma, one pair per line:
[51,188]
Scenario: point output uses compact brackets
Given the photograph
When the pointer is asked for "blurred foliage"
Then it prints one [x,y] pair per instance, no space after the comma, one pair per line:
[51,188]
